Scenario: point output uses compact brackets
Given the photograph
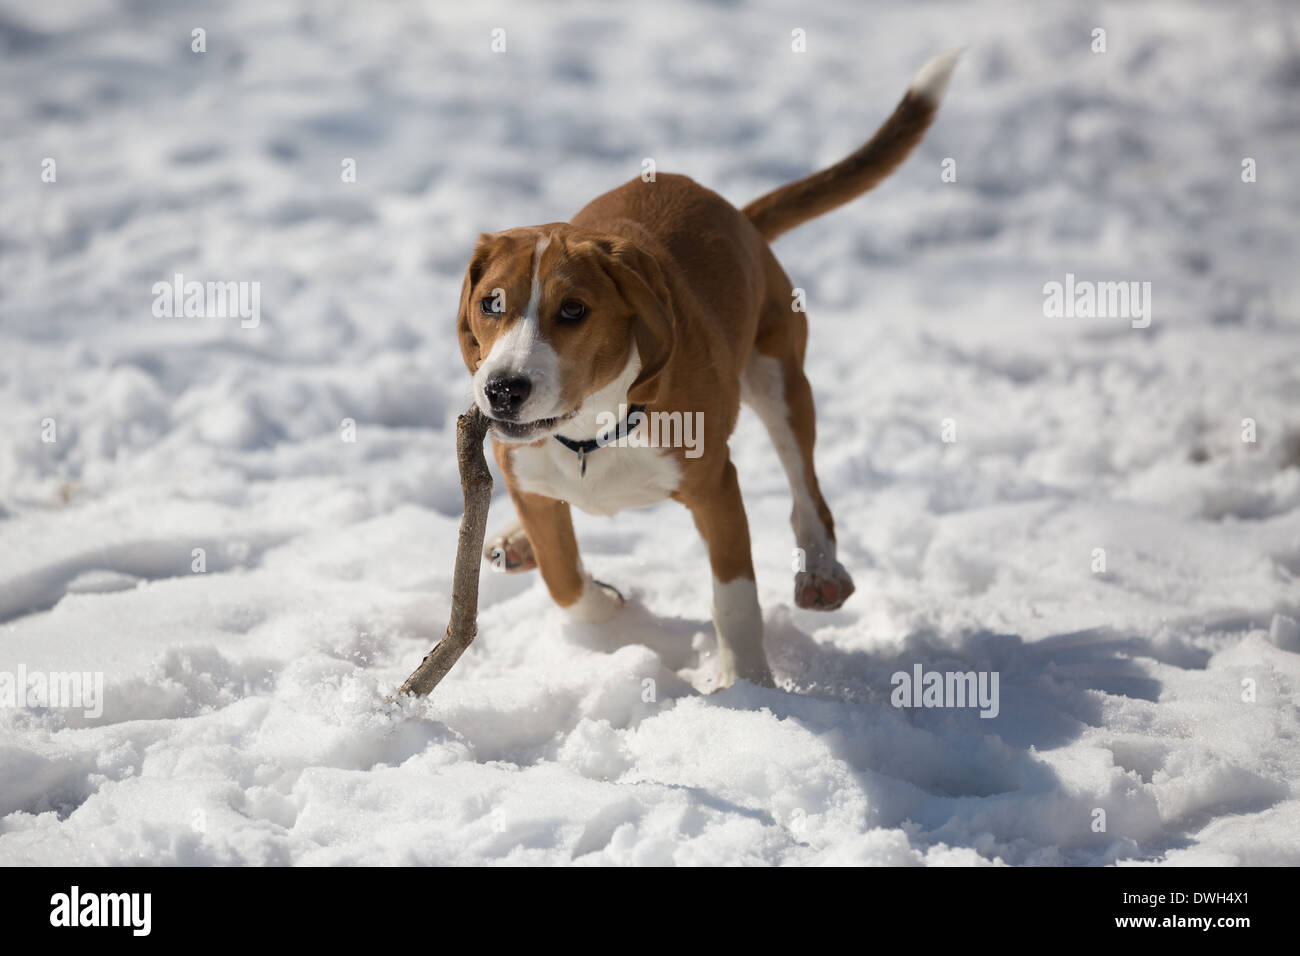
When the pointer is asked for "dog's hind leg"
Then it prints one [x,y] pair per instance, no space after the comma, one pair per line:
[774,386]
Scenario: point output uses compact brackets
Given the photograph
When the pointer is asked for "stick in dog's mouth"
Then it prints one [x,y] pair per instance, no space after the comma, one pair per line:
[462,626]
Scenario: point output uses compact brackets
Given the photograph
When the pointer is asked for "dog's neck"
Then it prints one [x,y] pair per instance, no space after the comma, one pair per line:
[605,407]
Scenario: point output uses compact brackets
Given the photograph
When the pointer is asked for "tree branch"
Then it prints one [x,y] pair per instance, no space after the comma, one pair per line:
[476,487]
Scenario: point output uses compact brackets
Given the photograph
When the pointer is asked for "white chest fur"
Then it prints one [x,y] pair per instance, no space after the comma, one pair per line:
[617,477]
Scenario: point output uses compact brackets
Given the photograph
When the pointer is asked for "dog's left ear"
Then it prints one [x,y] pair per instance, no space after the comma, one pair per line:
[469,348]
[641,283]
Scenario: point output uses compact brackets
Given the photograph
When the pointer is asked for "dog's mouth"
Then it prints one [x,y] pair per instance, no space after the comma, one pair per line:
[529,431]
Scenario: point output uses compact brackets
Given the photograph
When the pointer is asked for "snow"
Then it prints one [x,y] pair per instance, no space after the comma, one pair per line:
[244,717]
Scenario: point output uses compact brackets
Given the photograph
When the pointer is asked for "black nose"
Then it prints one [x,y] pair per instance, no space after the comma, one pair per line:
[507,393]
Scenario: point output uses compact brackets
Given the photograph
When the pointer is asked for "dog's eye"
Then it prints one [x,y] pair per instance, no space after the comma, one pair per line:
[571,310]
[488,306]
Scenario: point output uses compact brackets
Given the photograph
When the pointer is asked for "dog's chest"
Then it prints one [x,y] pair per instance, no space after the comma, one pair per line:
[617,477]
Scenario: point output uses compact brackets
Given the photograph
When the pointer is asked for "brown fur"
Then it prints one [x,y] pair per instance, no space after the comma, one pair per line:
[792,205]
[676,269]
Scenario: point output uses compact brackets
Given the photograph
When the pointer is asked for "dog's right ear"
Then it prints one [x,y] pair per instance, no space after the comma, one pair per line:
[483,251]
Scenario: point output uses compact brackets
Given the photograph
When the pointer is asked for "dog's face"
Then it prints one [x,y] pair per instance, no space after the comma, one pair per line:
[551,314]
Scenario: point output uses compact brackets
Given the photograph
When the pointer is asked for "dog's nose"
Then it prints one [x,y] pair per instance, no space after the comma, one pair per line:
[507,393]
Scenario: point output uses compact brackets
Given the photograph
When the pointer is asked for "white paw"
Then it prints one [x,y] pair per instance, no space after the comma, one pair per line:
[730,670]
[599,602]
[725,676]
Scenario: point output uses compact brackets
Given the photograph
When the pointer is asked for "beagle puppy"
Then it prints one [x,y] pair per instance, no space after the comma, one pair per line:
[661,303]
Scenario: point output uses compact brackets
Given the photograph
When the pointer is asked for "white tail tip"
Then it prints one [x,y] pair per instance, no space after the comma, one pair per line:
[933,78]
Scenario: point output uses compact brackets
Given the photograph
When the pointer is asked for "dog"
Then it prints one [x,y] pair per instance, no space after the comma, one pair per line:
[660,298]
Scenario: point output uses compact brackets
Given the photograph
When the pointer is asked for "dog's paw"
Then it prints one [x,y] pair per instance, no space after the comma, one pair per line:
[731,670]
[599,602]
[822,589]
[510,550]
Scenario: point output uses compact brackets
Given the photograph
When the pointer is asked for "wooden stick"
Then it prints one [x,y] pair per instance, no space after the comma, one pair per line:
[476,487]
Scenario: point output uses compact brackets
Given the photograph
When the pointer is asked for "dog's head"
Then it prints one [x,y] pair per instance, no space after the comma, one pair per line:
[550,315]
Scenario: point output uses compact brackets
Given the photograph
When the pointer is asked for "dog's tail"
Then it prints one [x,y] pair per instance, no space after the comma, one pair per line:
[794,204]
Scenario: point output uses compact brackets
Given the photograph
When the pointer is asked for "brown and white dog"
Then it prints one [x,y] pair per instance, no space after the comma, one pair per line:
[664,295]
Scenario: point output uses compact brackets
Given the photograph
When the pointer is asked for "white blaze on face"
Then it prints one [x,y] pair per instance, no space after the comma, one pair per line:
[522,352]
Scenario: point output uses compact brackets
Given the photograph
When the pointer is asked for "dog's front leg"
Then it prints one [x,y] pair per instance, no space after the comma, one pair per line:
[719,515]
[549,527]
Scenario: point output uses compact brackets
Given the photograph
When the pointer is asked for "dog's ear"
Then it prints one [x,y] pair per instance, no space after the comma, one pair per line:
[469,348]
[641,283]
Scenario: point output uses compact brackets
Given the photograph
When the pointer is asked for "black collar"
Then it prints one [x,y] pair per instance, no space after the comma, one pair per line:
[585,448]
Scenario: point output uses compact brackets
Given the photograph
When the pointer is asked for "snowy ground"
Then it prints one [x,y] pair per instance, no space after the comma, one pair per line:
[243,719]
